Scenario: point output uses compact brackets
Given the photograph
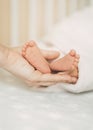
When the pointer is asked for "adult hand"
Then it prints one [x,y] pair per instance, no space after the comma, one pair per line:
[18,66]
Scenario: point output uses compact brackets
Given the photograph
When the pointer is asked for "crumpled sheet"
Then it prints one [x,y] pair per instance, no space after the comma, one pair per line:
[24,108]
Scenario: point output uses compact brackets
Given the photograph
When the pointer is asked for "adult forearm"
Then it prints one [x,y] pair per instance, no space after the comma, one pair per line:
[4,52]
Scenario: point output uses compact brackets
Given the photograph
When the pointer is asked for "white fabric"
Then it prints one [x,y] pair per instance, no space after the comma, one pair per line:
[24,108]
[76,32]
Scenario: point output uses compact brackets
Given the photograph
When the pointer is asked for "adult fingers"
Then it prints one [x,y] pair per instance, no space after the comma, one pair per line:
[59,78]
[40,84]
[50,55]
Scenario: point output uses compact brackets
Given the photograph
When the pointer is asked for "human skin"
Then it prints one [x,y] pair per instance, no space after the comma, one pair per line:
[12,61]
[33,55]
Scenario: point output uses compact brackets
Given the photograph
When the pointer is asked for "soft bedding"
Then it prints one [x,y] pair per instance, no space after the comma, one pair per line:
[76,32]
[52,108]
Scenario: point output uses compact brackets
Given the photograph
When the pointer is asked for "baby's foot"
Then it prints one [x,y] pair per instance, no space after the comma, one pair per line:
[33,55]
[67,63]
[76,56]
[74,73]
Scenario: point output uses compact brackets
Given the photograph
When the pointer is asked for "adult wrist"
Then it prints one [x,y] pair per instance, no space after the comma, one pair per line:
[4,53]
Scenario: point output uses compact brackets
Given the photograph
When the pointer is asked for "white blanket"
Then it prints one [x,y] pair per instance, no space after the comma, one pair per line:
[76,32]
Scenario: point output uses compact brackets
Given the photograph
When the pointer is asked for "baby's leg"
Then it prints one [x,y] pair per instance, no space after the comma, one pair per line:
[32,53]
[67,63]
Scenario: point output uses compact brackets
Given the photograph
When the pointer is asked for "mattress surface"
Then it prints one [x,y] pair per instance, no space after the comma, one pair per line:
[24,108]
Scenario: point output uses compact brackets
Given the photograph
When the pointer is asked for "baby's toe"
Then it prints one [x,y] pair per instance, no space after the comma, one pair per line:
[26,44]
[78,56]
[75,64]
[77,60]
[74,80]
[72,53]
[31,43]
